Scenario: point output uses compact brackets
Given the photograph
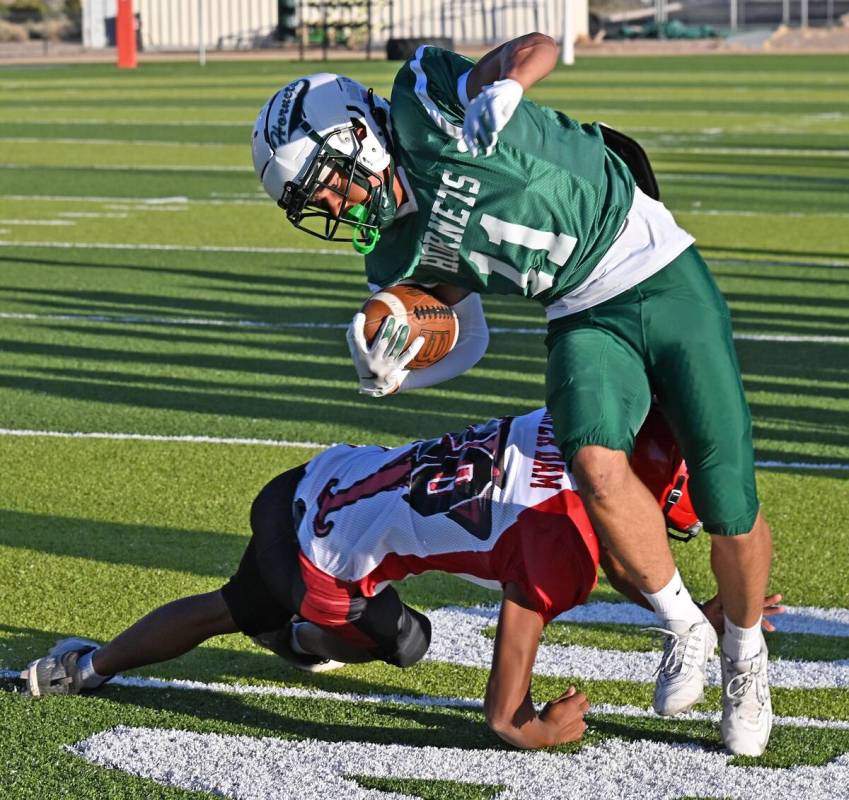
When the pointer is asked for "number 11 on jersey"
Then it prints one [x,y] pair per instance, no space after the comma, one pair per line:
[558,246]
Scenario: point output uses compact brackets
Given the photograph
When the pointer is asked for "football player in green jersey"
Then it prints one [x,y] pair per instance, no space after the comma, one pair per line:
[460,183]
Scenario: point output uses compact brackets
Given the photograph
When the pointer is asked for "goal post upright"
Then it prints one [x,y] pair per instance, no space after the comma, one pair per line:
[125,35]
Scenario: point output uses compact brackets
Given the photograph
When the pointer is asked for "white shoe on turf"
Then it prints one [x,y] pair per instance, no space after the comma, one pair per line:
[57,672]
[681,675]
[746,704]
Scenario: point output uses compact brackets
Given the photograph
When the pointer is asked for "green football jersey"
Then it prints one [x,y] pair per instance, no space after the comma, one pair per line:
[533,218]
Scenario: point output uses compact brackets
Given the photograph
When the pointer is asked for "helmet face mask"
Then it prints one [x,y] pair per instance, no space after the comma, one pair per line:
[307,214]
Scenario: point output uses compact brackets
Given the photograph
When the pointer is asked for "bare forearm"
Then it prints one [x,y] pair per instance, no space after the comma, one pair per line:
[524,729]
[529,59]
[526,60]
[169,631]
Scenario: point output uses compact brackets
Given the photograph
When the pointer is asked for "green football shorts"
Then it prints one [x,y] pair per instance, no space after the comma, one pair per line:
[670,336]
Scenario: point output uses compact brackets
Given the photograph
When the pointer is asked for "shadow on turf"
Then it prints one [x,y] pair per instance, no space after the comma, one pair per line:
[411,416]
[236,279]
[201,553]
[416,414]
[329,720]
[324,720]
[111,302]
[211,663]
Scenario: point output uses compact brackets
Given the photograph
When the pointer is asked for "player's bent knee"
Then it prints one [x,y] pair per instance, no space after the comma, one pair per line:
[413,641]
[599,471]
[759,536]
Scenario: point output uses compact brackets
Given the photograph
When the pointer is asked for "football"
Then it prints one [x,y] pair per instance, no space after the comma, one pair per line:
[421,313]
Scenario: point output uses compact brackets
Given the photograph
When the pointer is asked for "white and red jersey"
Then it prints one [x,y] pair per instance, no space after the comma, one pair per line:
[493,504]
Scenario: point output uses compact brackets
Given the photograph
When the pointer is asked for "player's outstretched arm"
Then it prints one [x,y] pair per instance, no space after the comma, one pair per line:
[526,60]
[495,85]
[472,342]
[508,705]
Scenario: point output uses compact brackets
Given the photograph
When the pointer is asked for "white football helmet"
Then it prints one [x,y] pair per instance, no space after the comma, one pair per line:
[318,124]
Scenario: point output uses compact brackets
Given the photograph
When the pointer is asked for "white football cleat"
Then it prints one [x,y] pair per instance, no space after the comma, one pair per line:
[57,672]
[681,675]
[746,704]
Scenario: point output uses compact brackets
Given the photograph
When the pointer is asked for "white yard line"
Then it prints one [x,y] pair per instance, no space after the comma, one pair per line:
[144,123]
[795,619]
[254,768]
[45,222]
[93,215]
[222,198]
[660,147]
[205,168]
[725,212]
[458,638]
[423,701]
[151,437]
[247,323]
[790,337]
[72,140]
[177,321]
[180,248]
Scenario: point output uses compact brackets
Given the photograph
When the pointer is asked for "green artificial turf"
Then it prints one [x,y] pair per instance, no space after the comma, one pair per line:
[148,286]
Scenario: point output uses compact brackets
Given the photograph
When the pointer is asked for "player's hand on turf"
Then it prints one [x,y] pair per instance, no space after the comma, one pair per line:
[487,114]
[772,606]
[712,609]
[564,716]
[382,366]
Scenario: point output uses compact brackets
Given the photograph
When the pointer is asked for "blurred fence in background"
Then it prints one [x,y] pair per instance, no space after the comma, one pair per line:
[367,25]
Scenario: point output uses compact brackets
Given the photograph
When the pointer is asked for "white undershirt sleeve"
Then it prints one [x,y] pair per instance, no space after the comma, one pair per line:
[462,91]
[472,341]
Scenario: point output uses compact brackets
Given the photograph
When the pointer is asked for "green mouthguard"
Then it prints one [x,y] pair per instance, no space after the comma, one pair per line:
[365,239]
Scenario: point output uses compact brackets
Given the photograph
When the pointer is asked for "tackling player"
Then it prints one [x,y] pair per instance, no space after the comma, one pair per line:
[493,504]
[462,184]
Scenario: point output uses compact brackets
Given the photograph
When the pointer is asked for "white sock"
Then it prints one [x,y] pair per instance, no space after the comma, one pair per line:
[90,678]
[673,602]
[741,644]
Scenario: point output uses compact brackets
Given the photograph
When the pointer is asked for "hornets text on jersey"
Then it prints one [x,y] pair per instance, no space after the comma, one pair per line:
[539,217]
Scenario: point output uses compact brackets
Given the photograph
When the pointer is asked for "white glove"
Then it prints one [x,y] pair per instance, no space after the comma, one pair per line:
[487,114]
[382,367]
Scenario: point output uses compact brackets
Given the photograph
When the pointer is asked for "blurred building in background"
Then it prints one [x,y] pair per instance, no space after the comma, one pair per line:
[395,26]
[247,24]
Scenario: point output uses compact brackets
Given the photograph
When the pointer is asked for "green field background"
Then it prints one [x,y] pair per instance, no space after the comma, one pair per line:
[148,286]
